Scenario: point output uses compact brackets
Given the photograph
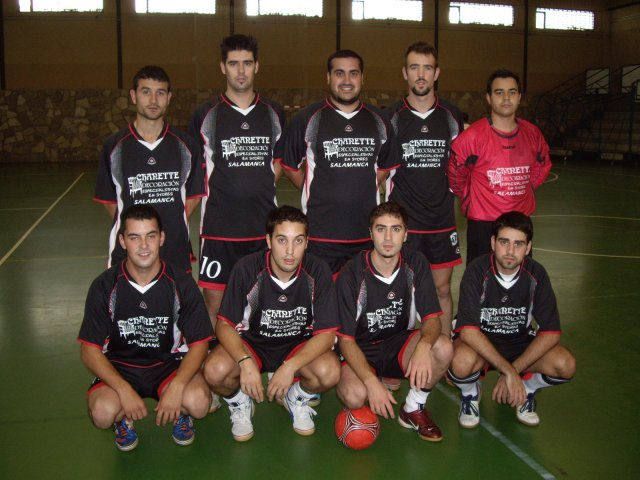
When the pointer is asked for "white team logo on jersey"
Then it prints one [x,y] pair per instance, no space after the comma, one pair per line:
[330,149]
[143,305]
[424,129]
[408,151]
[244,126]
[505,298]
[348,128]
[229,147]
[282,298]
[391,295]
[454,238]
[151,161]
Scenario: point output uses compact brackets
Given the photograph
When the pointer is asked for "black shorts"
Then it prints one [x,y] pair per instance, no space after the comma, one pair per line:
[148,382]
[386,356]
[511,351]
[336,254]
[478,238]
[269,359]
[217,258]
[441,248]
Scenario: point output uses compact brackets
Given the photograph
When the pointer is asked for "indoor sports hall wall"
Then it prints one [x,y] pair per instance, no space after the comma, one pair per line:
[65,90]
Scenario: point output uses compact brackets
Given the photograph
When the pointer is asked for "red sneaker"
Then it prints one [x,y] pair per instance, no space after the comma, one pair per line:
[420,421]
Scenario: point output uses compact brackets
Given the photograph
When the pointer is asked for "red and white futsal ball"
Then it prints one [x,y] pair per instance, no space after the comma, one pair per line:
[357,428]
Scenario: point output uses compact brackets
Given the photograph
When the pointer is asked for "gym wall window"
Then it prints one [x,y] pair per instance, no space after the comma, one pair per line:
[387,10]
[307,8]
[480,13]
[61,5]
[555,19]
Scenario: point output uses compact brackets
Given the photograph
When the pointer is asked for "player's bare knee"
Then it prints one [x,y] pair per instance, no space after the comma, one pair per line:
[196,402]
[216,370]
[565,365]
[463,362]
[442,352]
[103,413]
[352,396]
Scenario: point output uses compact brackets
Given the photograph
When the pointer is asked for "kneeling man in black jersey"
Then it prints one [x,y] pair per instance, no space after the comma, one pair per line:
[145,333]
[278,315]
[508,320]
[381,295]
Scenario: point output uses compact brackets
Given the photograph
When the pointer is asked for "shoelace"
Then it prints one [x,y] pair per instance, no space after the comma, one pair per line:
[303,409]
[239,414]
[529,405]
[467,407]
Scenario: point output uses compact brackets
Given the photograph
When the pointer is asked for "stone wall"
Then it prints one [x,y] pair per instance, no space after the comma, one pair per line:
[71,125]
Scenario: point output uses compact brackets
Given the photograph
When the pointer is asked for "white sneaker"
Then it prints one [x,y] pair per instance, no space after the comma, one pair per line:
[301,414]
[526,413]
[469,416]
[241,426]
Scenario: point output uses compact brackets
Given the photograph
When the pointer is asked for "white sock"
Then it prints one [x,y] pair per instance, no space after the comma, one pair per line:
[415,400]
[296,391]
[537,381]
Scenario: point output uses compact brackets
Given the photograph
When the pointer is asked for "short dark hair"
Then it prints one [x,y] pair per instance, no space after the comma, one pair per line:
[138,212]
[286,213]
[152,72]
[502,74]
[345,54]
[238,42]
[388,208]
[423,48]
[517,221]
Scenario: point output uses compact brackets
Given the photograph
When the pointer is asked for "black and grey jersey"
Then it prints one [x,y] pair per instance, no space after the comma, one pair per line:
[163,175]
[343,153]
[507,315]
[373,308]
[240,147]
[420,184]
[144,326]
[269,312]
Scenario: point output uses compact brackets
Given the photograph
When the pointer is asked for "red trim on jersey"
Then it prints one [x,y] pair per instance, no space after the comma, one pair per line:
[278,160]
[431,315]
[199,195]
[157,364]
[332,329]
[404,347]
[165,382]
[473,327]
[388,169]
[98,385]
[212,286]
[225,239]
[291,169]
[333,240]
[526,375]
[343,335]
[253,353]
[422,232]
[107,202]
[226,320]
[200,341]
[335,276]
[439,266]
[84,342]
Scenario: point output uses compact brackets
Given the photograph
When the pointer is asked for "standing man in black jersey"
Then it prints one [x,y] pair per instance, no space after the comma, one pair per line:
[150,162]
[425,125]
[501,295]
[145,333]
[278,315]
[345,145]
[382,293]
[240,133]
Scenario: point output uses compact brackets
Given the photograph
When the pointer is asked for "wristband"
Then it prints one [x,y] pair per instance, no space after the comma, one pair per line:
[243,359]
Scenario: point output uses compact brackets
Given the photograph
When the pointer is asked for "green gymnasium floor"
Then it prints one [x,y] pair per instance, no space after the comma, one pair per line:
[53,243]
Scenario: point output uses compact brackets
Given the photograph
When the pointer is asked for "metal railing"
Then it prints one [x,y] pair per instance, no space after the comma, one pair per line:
[596,111]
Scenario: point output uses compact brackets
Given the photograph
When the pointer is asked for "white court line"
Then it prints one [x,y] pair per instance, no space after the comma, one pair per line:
[630,257]
[20,209]
[556,177]
[632,219]
[37,222]
[498,435]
